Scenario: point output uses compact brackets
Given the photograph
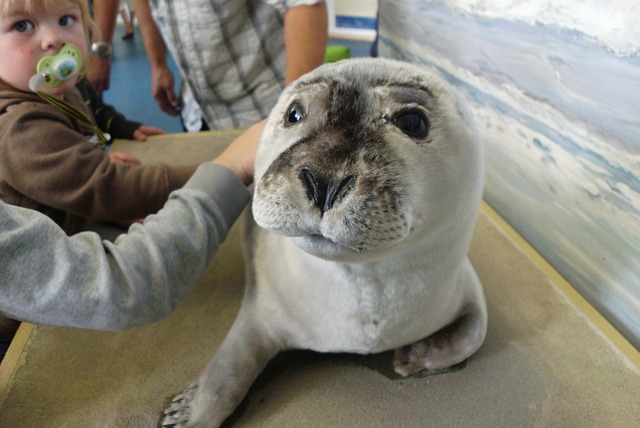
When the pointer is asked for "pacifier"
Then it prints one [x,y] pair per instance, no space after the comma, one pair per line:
[52,70]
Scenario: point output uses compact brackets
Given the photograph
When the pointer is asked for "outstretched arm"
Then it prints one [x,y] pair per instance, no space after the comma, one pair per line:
[47,277]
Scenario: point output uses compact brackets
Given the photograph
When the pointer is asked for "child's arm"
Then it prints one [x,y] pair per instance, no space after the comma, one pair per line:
[110,120]
[44,158]
[82,281]
[137,280]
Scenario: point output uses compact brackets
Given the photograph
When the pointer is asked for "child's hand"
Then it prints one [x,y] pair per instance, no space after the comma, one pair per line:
[240,156]
[145,131]
[124,158]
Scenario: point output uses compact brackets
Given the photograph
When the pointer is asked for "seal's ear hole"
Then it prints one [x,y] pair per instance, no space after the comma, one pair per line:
[295,113]
[413,123]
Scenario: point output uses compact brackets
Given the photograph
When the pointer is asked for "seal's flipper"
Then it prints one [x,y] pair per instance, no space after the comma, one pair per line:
[244,353]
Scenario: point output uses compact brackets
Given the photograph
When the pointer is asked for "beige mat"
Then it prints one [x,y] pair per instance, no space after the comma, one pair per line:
[542,365]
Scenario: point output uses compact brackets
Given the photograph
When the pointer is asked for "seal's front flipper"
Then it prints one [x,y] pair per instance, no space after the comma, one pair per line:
[448,346]
[179,411]
[223,384]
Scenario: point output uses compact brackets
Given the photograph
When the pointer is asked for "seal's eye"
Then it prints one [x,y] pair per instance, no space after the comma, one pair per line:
[295,113]
[413,123]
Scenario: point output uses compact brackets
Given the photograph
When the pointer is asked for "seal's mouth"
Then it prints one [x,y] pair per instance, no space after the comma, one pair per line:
[328,249]
[321,239]
[325,248]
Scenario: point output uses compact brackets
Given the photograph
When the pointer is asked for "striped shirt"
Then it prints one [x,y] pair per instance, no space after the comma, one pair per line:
[231,56]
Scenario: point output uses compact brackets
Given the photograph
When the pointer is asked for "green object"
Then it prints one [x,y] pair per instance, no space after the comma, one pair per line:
[336,53]
[58,68]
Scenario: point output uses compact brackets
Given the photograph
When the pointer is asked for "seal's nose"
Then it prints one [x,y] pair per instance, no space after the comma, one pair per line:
[323,192]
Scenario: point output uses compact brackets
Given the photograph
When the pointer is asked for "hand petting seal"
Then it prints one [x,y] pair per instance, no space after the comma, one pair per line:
[368,181]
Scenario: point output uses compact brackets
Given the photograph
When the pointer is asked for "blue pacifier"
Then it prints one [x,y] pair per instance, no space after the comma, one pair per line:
[51,71]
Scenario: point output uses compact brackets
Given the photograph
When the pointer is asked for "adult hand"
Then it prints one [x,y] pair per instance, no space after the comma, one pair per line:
[240,156]
[162,90]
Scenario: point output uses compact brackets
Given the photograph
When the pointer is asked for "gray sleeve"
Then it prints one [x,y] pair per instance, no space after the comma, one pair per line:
[49,278]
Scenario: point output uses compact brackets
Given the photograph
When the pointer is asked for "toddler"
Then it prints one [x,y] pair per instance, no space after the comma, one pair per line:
[51,158]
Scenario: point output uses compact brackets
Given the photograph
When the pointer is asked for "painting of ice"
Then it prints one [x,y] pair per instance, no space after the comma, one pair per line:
[554,86]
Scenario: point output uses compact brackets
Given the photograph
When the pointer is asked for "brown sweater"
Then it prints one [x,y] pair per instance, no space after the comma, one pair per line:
[47,163]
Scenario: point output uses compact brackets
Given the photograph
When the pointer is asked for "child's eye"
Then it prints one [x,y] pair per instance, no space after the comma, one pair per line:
[23,26]
[67,20]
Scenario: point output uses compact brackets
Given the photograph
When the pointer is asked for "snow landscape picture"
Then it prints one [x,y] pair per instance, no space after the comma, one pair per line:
[554,88]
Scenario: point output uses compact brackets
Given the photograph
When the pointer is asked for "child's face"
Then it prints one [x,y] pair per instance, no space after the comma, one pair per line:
[26,37]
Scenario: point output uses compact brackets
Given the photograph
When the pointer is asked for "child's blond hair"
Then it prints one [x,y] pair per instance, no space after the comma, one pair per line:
[27,5]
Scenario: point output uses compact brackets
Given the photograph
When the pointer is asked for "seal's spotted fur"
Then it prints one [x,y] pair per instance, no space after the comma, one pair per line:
[368,181]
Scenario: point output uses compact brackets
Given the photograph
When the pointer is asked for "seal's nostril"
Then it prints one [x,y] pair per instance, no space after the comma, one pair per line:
[310,182]
[345,187]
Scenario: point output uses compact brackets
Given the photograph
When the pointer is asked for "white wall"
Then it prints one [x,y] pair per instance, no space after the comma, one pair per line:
[355,9]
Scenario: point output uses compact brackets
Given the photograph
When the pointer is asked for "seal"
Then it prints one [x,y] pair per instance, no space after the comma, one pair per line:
[368,180]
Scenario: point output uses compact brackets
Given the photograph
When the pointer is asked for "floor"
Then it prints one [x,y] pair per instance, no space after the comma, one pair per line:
[130,90]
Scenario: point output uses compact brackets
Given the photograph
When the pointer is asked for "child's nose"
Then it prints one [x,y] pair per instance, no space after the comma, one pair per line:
[52,39]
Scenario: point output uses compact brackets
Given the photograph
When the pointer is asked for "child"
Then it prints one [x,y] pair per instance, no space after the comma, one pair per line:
[47,277]
[47,159]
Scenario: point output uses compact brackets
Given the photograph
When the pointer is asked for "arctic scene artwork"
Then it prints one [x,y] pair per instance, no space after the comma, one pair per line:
[554,86]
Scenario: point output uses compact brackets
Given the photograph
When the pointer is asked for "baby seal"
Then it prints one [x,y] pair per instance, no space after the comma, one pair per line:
[368,180]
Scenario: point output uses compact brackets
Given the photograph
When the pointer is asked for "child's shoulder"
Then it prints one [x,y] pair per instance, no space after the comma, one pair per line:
[28,120]
[11,97]
[16,105]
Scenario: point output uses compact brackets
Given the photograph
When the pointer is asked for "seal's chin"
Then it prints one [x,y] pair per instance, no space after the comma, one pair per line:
[324,248]
[320,246]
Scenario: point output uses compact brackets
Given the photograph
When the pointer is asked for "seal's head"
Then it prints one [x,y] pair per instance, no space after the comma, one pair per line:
[363,156]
